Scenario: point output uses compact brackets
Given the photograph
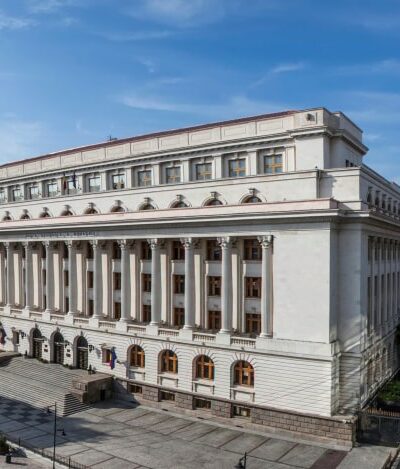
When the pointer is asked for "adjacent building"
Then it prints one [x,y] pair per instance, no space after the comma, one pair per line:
[248,268]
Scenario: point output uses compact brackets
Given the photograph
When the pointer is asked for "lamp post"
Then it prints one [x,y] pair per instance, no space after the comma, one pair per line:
[55,431]
[242,462]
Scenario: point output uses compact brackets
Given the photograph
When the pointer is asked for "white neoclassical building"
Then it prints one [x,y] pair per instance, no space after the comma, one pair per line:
[248,268]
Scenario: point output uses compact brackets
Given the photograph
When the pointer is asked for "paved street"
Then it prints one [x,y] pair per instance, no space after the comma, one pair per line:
[117,436]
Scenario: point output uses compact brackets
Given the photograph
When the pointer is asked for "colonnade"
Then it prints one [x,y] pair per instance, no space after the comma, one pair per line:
[27,278]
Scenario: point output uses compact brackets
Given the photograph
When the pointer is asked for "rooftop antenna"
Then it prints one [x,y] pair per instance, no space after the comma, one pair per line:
[111,138]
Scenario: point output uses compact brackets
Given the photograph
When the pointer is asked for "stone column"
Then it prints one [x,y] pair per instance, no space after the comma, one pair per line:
[97,280]
[10,274]
[190,286]
[28,275]
[226,286]
[72,278]
[49,276]
[125,267]
[155,245]
[266,286]
[372,318]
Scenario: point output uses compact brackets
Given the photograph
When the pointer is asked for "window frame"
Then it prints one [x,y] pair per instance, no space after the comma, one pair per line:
[276,167]
[239,377]
[179,284]
[252,250]
[204,368]
[139,357]
[214,285]
[252,287]
[145,180]
[120,183]
[169,362]
[203,175]
[173,175]
[235,168]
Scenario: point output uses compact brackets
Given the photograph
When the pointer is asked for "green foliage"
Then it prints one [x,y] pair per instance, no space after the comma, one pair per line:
[391,392]
[4,446]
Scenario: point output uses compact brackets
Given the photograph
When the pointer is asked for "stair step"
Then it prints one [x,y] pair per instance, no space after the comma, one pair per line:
[39,385]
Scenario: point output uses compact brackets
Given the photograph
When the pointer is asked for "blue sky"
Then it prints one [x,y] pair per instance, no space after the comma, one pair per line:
[73,72]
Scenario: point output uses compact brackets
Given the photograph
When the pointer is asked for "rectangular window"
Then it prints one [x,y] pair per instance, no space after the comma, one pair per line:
[214,252]
[51,189]
[173,175]
[117,280]
[214,286]
[240,411]
[106,355]
[203,171]
[237,168]
[33,192]
[252,250]
[94,183]
[70,185]
[90,308]
[253,287]
[214,320]
[2,196]
[16,194]
[253,323]
[203,404]
[179,317]
[178,251]
[66,278]
[144,178]
[146,313]
[15,338]
[167,396]
[118,181]
[273,164]
[90,279]
[117,310]
[146,278]
[135,389]
[145,251]
[179,284]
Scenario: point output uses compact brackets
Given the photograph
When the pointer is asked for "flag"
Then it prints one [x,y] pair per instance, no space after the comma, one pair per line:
[113,358]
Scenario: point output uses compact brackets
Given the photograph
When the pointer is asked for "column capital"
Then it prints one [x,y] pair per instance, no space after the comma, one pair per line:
[189,242]
[49,244]
[97,243]
[27,244]
[126,243]
[226,242]
[8,245]
[155,243]
[265,241]
[70,243]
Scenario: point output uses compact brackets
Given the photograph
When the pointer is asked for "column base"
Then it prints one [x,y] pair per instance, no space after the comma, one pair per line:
[25,312]
[46,314]
[71,313]
[223,337]
[152,328]
[186,333]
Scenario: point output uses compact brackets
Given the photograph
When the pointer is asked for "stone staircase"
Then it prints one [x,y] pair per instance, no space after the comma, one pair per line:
[39,385]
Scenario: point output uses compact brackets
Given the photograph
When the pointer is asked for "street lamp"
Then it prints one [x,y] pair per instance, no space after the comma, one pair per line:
[242,462]
[55,431]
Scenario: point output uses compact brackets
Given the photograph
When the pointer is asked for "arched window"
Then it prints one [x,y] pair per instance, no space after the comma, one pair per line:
[25,216]
[66,213]
[252,199]
[169,362]
[179,204]
[91,211]
[136,357]
[204,367]
[213,202]
[44,215]
[6,218]
[243,374]
[147,207]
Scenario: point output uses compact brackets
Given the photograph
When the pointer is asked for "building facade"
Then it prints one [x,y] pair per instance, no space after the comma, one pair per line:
[250,267]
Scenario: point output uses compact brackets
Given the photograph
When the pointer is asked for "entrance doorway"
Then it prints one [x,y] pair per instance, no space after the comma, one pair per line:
[82,353]
[37,344]
[58,348]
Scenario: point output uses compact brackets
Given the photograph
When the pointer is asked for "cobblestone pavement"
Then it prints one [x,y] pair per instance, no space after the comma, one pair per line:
[119,435]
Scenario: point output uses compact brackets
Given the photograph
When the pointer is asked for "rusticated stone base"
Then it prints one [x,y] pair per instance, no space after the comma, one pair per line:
[338,430]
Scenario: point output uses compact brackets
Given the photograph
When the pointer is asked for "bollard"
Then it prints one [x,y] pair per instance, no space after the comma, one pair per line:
[8,458]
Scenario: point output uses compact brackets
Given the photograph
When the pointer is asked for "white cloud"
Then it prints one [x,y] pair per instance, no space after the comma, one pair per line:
[14,23]
[149,64]
[384,67]
[50,6]
[136,35]
[288,67]
[180,13]
[20,139]
[235,106]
